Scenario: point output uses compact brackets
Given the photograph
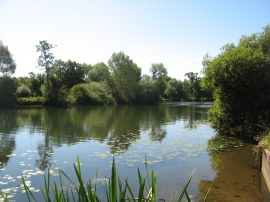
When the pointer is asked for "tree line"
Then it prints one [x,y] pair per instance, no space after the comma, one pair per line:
[238,79]
[69,82]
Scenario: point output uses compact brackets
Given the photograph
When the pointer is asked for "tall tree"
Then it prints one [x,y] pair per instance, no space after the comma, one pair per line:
[45,59]
[7,64]
[126,76]
[192,86]
[159,75]
[158,71]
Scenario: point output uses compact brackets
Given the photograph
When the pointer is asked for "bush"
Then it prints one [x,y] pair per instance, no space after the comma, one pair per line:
[240,78]
[23,91]
[55,93]
[30,101]
[92,93]
[7,92]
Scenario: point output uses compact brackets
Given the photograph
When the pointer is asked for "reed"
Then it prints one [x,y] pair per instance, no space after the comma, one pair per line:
[116,190]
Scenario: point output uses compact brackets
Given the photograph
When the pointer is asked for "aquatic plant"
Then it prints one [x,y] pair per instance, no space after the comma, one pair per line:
[115,190]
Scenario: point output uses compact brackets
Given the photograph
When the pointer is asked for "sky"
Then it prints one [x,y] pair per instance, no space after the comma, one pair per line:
[177,33]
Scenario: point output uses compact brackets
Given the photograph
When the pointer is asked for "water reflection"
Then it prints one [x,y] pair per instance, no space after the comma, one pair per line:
[237,174]
[118,126]
[173,136]
[8,121]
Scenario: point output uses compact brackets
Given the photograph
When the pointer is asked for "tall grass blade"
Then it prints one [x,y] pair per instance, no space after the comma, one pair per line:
[82,193]
[61,184]
[207,193]
[153,188]
[147,172]
[187,196]
[141,191]
[114,183]
[47,187]
[73,184]
[122,193]
[129,189]
[186,186]
[27,190]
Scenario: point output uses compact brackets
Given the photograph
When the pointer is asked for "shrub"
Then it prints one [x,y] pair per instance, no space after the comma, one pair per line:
[23,91]
[56,94]
[30,101]
[92,93]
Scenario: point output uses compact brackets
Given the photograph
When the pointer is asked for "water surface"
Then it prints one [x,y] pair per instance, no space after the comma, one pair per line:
[174,137]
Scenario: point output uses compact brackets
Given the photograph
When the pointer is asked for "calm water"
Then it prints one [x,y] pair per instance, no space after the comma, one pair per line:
[175,138]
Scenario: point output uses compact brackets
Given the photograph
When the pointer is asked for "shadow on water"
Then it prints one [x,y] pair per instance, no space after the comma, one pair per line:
[237,167]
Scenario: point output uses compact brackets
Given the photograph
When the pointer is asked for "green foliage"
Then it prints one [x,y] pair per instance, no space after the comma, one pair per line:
[149,91]
[57,95]
[23,91]
[69,73]
[115,190]
[8,89]
[92,93]
[87,68]
[30,101]
[36,81]
[7,64]
[100,72]
[174,90]
[240,77]
[126,76]
[158,71]
[45,60]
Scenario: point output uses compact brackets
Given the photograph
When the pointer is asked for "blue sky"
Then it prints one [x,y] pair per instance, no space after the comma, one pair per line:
[176,32]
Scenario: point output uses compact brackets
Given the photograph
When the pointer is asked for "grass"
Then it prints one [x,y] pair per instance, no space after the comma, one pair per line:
[116,190]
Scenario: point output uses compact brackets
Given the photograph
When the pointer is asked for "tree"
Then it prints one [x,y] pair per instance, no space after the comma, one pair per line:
[69,73]
[149,91]
[7,64]
[240,77]
[126,76]
[192,86]
[100,72]
[158,71]
[87,68]
[46,59]
[36,81]
[7,91]
[159,75]
[174,90]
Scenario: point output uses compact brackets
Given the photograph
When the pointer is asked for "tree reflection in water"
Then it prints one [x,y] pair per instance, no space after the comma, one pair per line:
[117,126]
